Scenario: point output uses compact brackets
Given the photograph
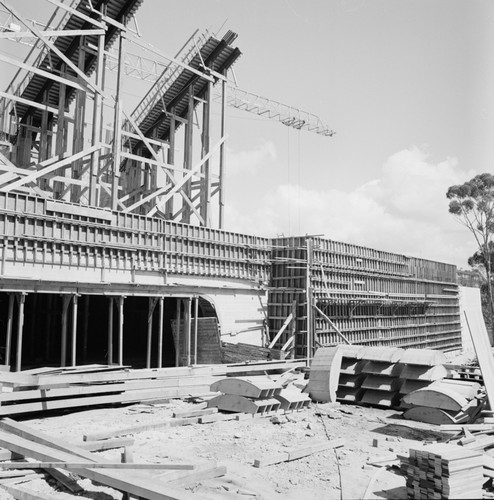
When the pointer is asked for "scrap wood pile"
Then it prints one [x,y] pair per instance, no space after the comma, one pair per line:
[46,389]
[30,454]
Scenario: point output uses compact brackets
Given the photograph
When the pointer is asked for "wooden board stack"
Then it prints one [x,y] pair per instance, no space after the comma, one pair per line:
[443,471]
[46,389]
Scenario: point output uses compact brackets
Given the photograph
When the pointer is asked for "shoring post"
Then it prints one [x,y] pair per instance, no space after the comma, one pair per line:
[196,326]
[152,305]
[21,298]
[188,329]
[120,328]
[308,296]
[96,132]
[63,343]
[74,330]
[110,330]
[160,331]
[10,320]
[117,130]
[221,193]
[177,335]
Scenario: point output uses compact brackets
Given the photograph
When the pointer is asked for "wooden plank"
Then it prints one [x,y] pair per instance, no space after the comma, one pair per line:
[296,453]
[202,471]
[172,422]
[106,444]
[219,417]
[96,465]
[65,480]
[194,413]
[23,493]
[129,481]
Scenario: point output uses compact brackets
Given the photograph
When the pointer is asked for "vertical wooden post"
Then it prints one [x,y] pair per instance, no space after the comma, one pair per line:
[188,332]
[177,336]
[20,327]
[196,319]
[85,322]
[63,343]
[160,331]
[10,320]
[120,328]
[152,305]
[117,127]
[96,132]
[171,161]
[221,193]
[110,330]
[205,195]
[189,128]
[74,331]
[308,296]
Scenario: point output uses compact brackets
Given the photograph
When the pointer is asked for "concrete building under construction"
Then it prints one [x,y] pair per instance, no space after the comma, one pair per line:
[111,219]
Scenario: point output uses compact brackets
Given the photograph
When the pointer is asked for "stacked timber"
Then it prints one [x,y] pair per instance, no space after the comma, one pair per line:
[46,389]
[237,353]
[256,395]
[375,376]
[443,471]
[445,402]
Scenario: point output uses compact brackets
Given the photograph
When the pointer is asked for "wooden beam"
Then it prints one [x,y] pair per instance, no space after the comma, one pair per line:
[50,168]
[281,330]
[131,482]
[57,33]
[28,102]
[96,465]
[46,74]
[160,331]
[20,329]
[151,307]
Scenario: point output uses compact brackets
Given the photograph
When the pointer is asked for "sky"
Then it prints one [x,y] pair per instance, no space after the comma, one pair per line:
[408,87]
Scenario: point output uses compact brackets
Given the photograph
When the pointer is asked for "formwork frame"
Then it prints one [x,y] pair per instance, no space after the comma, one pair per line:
[56,139]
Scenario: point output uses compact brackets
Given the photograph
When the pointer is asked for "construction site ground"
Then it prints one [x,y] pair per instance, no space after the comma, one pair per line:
[369,434]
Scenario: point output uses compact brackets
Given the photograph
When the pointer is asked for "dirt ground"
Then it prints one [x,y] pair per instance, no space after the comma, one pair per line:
[341,473]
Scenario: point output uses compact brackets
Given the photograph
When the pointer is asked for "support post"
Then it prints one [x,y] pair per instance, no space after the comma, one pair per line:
[160,331]
[74,331]
[63,343]
[205,195]
[10,320]
[117,121]
[177,336]
[96,132]
[120,328]
[188,139]
[308,296]
[110,330]
[171,161]
[221,194]
[196,326]
[85,324]
[152,305]
[187,324]
[20,328]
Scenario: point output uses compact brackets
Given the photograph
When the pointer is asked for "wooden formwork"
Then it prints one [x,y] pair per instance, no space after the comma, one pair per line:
[370,296]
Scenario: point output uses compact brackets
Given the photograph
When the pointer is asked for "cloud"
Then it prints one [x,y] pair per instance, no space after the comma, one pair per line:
[242,162]
[404,211]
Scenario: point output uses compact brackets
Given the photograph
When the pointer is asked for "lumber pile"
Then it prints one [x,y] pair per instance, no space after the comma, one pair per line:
[443,471]
[54,455]
[46,389]
[375,376]
[236,353]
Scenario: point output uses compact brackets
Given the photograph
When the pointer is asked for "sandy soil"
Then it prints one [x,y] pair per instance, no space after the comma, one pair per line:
[342,473]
